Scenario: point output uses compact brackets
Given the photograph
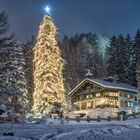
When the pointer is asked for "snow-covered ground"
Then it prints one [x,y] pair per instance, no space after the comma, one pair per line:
[61,130]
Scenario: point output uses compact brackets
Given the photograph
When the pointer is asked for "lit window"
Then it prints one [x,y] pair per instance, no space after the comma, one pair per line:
[131,104]
[98,95]
[112,94]
[128,103]
[90,96]
[128,96]
[87,96]
[111,102]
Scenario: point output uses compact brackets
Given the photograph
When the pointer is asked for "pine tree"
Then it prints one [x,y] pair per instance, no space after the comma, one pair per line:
[118,62]
[133,58]
[80,53]
[14,89]
[4,26]
[28,53]
[66,55]
[112,57]
[122,60]
[129,44]
[48,66]
[17,76]
[137,43]
[97,65]
[138,77]
[64,46]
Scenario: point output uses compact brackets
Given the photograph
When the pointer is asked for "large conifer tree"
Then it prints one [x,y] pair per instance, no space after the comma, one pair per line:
[122,62]
[13,83]
[48,66]
[29,68]
[134,57]
[118,61]
[112,57]
[13,90]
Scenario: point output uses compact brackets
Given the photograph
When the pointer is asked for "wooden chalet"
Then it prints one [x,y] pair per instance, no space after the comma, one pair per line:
[101,93]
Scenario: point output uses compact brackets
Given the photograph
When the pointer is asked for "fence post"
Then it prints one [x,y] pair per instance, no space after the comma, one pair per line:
[88,118]
[78,118]
[124,116]
[109,118]
[118,116]
[134,114]
[98,119]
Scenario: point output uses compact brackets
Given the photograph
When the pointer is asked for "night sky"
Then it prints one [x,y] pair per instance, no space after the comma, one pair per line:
[74,16]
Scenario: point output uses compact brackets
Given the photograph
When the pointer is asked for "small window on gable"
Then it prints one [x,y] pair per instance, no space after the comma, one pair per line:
[128,96]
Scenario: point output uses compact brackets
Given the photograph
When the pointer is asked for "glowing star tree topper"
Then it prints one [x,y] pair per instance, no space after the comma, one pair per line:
[47,9]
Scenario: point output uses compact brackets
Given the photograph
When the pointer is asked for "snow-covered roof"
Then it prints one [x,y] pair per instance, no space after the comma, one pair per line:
[109,85]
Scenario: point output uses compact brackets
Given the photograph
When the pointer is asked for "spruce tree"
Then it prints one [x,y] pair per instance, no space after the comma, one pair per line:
[66,55]
[138,66]
[16,67]
[48,66]
[129,44]
[134,57]
[118,60]
[138,78]
[14,89]
[4,26]
[122,60]
[28,53]
[80,53]
[112,57]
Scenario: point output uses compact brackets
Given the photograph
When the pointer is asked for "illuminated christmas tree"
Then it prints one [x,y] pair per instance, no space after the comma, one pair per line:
[48,66]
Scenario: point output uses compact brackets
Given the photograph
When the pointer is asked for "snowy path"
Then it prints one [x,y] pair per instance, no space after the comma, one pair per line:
[114,130]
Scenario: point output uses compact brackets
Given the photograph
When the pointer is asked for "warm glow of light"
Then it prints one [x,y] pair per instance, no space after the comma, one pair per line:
[48,68]
[47,9]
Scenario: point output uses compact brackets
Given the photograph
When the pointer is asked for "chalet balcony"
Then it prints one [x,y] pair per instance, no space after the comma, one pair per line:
[92,90]
[95,97]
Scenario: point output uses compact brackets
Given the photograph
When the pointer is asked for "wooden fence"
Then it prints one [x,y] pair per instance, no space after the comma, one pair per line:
[120,116]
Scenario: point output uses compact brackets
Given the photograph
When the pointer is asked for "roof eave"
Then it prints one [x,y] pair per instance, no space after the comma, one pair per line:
[70,93]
